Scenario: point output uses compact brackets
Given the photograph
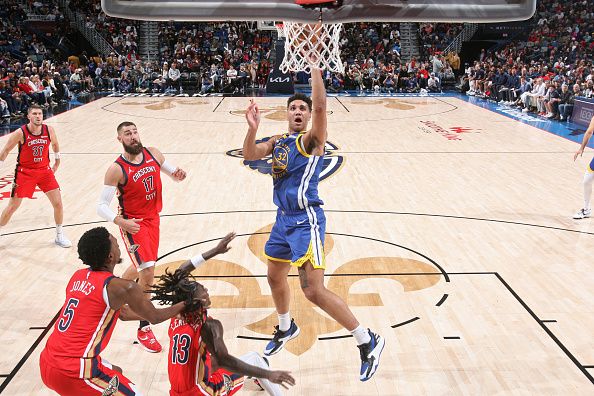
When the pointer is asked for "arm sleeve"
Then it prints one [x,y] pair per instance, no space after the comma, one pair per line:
[167,168]
[105,199]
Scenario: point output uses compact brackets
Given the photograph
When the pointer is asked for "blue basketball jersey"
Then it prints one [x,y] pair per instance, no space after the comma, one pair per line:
[295,174]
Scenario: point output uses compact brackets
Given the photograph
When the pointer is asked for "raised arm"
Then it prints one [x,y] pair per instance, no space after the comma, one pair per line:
[587,136]
[196,261]
[315,139]
[122,291]
[252,150]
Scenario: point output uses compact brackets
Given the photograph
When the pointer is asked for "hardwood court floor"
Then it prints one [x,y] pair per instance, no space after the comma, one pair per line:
[449,232]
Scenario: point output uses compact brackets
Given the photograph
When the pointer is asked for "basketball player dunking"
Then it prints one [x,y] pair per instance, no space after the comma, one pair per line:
[136,175]
[297,237]
[33,168]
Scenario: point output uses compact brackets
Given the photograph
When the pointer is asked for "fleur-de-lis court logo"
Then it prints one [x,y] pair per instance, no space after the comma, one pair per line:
[333,162]
[274,113]
[166,103]
[413,275]
[389,103]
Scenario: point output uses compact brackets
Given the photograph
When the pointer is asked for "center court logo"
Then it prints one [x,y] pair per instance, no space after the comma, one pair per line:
[267,166]
[358,282]
[274,113]
[165,104]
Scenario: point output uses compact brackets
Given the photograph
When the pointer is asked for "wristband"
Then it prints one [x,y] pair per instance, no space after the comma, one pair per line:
[168,168]
[197,261]
[57,155]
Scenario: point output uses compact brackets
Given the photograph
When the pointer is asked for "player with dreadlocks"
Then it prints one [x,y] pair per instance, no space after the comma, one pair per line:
[71,363]
[197,340]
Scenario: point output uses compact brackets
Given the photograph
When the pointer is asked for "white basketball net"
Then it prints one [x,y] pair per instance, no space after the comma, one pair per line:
[308,44]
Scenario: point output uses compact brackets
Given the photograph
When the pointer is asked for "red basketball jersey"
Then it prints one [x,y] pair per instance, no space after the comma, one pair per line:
[85,325]
[190,368]
[34,151]
[140,194]
[184,340]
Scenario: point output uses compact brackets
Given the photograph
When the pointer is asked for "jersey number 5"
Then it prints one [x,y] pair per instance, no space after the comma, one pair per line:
[67,315]
[180,352]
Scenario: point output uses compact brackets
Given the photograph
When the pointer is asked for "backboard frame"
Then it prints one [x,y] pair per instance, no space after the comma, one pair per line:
[482,11]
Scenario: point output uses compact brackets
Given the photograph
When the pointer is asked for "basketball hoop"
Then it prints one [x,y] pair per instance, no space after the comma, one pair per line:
[308,45]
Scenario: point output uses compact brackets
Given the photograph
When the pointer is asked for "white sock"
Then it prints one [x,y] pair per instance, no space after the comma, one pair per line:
[361,335]
[256,360]
[58,229]
[588,178]
[284,321]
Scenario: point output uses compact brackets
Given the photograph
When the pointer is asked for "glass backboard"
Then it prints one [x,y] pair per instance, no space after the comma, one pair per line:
[351,10]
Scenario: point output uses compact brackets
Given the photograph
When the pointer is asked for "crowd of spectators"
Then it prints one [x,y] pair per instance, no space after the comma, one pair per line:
[544,74]
[46,8]
[121,34]
[435,37]
[236,56]
[26,71]
[371,53]
[228,57]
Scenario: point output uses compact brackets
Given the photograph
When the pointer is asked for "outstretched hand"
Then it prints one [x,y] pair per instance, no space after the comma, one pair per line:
[252,115]
[282,378]
[222,246]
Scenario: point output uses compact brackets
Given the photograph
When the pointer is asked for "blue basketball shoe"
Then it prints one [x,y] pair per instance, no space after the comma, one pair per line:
[280,338]
[370,355]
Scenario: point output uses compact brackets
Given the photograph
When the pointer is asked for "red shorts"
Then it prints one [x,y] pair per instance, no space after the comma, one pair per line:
[66,385]
[26,180]
[147,241]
